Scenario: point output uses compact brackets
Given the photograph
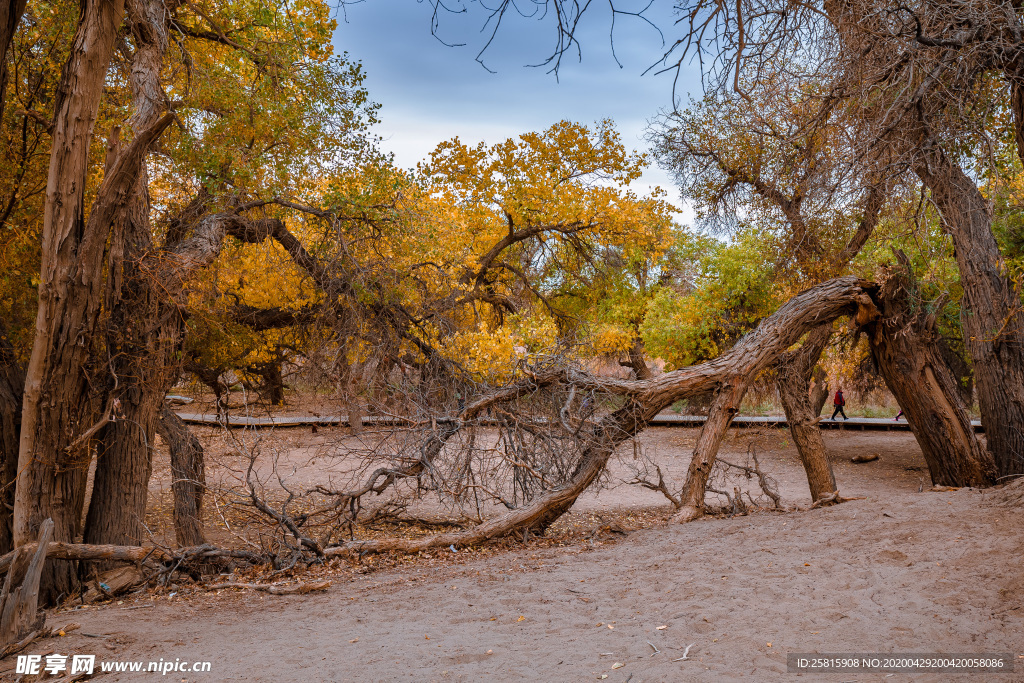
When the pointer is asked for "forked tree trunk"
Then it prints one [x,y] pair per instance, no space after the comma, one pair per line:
[991,319]
[636,362]
[794,373]
[188,478]
[905,348]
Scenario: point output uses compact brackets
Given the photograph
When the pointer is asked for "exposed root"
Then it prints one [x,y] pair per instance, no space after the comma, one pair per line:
[832,498]
[687,513]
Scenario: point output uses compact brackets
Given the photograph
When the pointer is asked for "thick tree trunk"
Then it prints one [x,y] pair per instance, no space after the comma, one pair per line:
[993,328]
[117,508]
[58,404]
[794,373]
[141,333]
[188,483]
[723,409]
[905,348]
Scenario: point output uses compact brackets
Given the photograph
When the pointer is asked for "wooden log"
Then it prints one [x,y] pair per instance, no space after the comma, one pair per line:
[113,582]
[83,551]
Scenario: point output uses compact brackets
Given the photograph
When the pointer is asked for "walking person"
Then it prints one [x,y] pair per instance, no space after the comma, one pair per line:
[839,402]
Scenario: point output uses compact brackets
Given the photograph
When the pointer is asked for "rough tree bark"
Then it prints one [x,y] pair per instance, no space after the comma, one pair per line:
[723,409]
[59,407]
[992,323]
[137,342]
[19,598]
[905,347]
[794,370]
[188,478]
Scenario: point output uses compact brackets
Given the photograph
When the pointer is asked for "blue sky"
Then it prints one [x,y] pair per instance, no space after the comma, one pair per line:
[431,92]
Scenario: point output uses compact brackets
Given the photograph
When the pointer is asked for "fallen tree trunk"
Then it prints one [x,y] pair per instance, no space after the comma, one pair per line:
[646,398]
[58,550]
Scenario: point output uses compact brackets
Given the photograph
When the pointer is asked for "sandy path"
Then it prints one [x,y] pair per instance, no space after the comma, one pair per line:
[901,572]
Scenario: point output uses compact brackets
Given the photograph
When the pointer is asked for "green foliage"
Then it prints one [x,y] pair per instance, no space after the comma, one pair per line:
[728,293]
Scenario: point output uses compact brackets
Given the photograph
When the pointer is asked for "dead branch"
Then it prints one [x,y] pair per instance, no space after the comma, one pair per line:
[659,486]
[767,484]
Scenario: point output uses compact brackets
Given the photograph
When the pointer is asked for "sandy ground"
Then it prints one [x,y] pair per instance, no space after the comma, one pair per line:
[902,570]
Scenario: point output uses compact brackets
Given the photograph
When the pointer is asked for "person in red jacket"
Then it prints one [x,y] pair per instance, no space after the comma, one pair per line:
[839,402]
